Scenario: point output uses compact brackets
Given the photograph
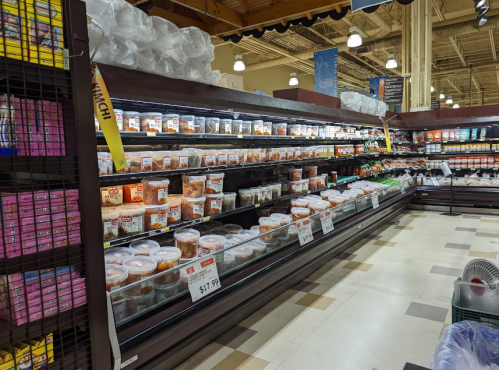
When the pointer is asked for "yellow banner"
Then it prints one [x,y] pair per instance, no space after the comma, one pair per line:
[387,137]
[103,109]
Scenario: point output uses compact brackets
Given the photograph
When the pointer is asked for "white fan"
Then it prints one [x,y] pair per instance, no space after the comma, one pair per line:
[481,271]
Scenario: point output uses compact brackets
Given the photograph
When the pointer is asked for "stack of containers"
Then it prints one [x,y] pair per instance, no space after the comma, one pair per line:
[41,293]
[38,221]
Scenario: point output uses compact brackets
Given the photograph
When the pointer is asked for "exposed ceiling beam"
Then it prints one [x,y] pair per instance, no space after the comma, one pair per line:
[475,82]
[325,38]
[179,20]
[492,44]
[216,10]
[454,84]
[244,4]
[458,48]
[438,12]
[497,73]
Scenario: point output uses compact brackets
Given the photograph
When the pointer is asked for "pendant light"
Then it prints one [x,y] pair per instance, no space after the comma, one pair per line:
[479,3]
[391,63]
[449,100]
[354,39]
[432,89]
[442,96]
[482,20]
[455,106]
[239,64]
[293,81]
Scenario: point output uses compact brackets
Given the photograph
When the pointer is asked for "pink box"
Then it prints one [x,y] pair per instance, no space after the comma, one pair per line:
[57,231]
[57,122]
[27,198]
[43,222]
[32,130]
[41,208]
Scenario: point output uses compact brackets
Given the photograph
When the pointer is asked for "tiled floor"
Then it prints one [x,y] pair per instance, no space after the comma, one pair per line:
[380,305]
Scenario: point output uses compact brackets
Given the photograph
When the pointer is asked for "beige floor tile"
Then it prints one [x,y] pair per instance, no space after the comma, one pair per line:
[487,235]
[241,361]
[315,301]
[352,265]
[480,254]
[417,216]
[206,358]
[404,227]
[384,243]
[490,221]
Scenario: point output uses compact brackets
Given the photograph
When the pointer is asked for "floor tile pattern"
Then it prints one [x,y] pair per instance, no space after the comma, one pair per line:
[382,304]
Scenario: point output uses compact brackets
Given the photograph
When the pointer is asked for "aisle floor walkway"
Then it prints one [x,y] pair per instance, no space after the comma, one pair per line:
[382,304]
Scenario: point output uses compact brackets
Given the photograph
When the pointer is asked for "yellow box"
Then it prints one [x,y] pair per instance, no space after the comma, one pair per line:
[32,356]
[42,8]
[15,31]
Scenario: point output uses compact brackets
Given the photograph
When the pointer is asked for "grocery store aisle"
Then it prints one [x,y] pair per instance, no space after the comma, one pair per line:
[380,305]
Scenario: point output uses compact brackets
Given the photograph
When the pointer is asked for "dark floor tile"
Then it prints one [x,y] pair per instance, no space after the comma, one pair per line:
[305,286]
[235,337]
[471,216]
[409,366]
[458,246]
[473,230]
[372,237]
[426,311]
[346,256]
[449,271]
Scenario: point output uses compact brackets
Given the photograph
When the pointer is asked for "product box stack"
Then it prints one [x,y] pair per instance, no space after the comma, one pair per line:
[37,221]
[29,355]
[33,295]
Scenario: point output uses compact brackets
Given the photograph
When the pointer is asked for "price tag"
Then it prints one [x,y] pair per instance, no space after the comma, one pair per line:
[462,141]
[207,218]
[473,169]
[151,134]
[304,231]
[257,205]
[458,169]
[482,139]
[444,141]
[202,278]
[165,229]
[467,151]
[107,244]
[402,189]
[495,168]
[240,136]
[309,191]
[326,222]
[374,199]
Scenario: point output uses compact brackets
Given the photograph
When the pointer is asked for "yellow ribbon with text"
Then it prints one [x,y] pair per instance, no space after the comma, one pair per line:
[387,137]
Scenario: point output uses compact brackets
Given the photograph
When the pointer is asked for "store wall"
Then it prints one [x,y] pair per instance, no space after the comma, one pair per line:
[268,79]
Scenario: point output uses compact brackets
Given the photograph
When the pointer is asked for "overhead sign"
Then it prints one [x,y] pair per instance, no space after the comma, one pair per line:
[394,90]
[377,87]
[435,105]
[361,4]
[326,71]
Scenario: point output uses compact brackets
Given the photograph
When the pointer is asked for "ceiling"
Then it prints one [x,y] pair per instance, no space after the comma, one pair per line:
[457,44]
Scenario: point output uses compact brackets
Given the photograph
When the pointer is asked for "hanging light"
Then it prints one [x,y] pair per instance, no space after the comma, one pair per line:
[455,106]
[442,96]
[354,38]
[391,63]
[479,3]
[482,20]
[293,81]
[432,89]
[482,10]
[449,100]
[239,64]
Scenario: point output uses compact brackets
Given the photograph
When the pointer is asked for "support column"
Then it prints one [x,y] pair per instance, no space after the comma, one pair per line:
[406,55]
[421,54]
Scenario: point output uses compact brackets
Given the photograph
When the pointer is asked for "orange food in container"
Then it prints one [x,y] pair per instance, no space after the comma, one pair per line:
[242,254]
[267,128]
[243,156]
[310,171]
[284,220]
[187,241]
[253,155]
[437,135]
[155,190]
[116,276]
[429,135]
[295,187]
[209,158]
[151,122]
[144,247]
[186,124]
[139,268]
[111,196]
[116,256]
[214,183]
[161,160]
[167,258]
[257,127]
[193,186]
[318,206]
[233,157]
[247,197]
[192,208]
[299,202]
[298,213]
[179,159]
[171,123]
[312,185]
[131,121]
[279,129]
[156,217]
[213,204]
[175,208]
[133,193]
[268,224]
[295,174]
[222,157]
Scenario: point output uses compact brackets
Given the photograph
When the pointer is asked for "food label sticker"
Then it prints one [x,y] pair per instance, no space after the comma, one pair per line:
[158,220]
[282,156]
[304,228]
[210,160]
[112,196]
[172,125]
[326,222]
[183,162]
[374,199]
[290,155]
[240,136]
[198,210]
[137,194]
[134,123]
[151,134]
[147,285]
[102,167]
[190,126]
[215,185]
[162,195]
[131,224]
[119,120]
[202,278]
[107,244]
[222,159]
[228,128]
[146,163]
[174,214]
[262,157]
[296,188]
[155,124]
[233,159]
[217,204]
[167,164]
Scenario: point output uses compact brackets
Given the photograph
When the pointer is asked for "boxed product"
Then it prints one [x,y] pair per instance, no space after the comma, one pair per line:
[14,24]
[30,355]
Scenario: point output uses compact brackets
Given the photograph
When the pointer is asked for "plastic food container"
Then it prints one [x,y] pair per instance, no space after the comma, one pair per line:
[263,212]
[179,159]
[318,206]
[213,224]
[284,220]
[253,155]
[247,197]
[315,131]
[151,122]
[214,183]
[303,130]
[313,183]
[131,220]
[199,125]
[140,161]
[144,247]
[163,292]
[304,184]
[228,263]
[186,124]
[228,202]
[219,231]
[234,239]
[233,156]
[156,217]
[310,171]
[139,303]
[212,125]
[226,126]
[102,163]
[110,222]
[294,130]
[295,187]
[167,258]
[209,158]
[260,194]
[336,200]
[222,157]
[297,153]
[192,208]
[237,127]
[116,276]
[276,190]
[295,174]
[259,248]
[210,244]
[116,256]
[242,254]
[133,193]
[268,224]
[298,213]
[175,208]
[233,228]
[131,121]
[161,160]
[194,157]
[306,153]
[322,181]
[139,267]
[111,196]
[243,156]
[155,190]
[213,204]
[267,128]
[203,230]
[268,192]
[187,241]
[279,129]
[248,234]
[171,123]
[193,186]
[257,127]
[299,202]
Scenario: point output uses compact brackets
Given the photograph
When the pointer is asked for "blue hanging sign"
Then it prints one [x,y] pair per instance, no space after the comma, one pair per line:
[361,4]
[326,71]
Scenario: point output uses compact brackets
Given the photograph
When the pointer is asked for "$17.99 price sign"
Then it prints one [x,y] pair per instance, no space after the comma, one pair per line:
[202,278]
[374,198]
[327,222]
[304,231]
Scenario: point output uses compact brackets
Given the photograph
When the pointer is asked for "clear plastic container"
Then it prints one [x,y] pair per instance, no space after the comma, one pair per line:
[228,263]
[298,213]
[210,244]
[118,114]
[295,174]
[242,254]
[279,129]
[226,126]
[233,156]
[255,229]
[312,183]
[260,194]
[267,128]
[139,303]
[199,125]
[155,190]
[257,247]
[194,157]
[164,292]
[246,128]
[247,197]
[321,181]
[257,127]
[212,125]
[131,121]
[283,220]
[161,160]
[219,231]
[328,193]
[306,153]
[192,208]
[254,155]
[139,268]
[276,190]
[213,204]
[268,192]
[110,164]
[295,187]
[131,220]
[233,228]
[336,200]
[222,157]
[171,123]
[304,184]
[213,224]
[187,241]
[175,208]
[243,156]
[110,223]
[229,202]
[263,212]
[116,256]
[214,183]
[268,224]
[144,247]
[248,234]
[294,130]
[179,159]
[290,154]
[140,161]
[297,153]
[315,131]
[111,196]
[193,186]
[318,206]
[310,171]
[234,239]
[156,217]
[303,130]
[167,258]
[186,124]
[116,276]
[299,202]
[237,127]
[151,122]
[209,158]
[102,163]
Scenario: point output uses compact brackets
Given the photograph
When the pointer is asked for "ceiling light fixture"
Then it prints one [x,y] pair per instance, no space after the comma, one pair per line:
[239,64]
[455,106]
[354,39]
[482,10]
[293,81]
[432,89]
[482,20]
[391,63]
[449,100]
[479,3]
[442,96]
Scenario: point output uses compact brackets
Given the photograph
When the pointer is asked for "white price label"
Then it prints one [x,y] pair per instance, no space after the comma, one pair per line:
[327,222]
[304,231]
[203,278]
[374,199]
[402,188]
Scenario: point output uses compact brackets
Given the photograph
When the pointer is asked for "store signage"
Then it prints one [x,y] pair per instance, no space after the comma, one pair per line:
[374,199]
[104,113]
[435,105]
[327,222]
[394,90]
[377,87]
[304,231]
[326,71]
[202,278]
[361,4]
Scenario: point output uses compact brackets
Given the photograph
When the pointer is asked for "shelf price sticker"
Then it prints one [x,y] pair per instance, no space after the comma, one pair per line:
[202,278]
[326,222]
[304,228]
[107,244]
[151,134]
[374,199]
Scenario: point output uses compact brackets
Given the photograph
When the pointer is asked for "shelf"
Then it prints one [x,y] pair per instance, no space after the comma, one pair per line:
[467,169]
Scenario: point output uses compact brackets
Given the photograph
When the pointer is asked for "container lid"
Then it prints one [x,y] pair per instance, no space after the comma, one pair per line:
[151,114]
[110,213]
[183,261]
[219,231]
[241,251]
[213,118]
[199,118]
[158,207]
[102,154]
[247,234]
[299,210]
[299,202]
[219,195]
[118,254]
[131,112]
[170,115]
[215,175]
[144,246]
[255,229]
[212,242]
[257,121]
[116,273]
[247,191]
[140,264]
[234,239]
[313,197]
[226,120]
[256,245]
[283,219]
[187,116]
[213,224]
[229,195]
[269,221]
[233,228]
[196,200]
[186,234]
[319,205]
[310,167]
[155,181]
[237,121]
[132,209]
[166,254]
[295,170]
[193,177]
[118,110]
